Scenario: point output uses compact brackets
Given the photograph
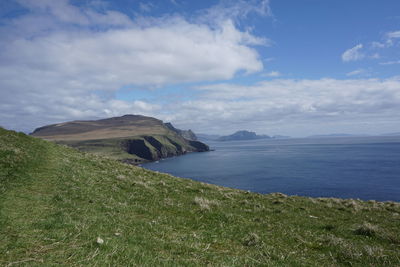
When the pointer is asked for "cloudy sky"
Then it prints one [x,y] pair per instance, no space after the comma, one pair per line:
[272,66]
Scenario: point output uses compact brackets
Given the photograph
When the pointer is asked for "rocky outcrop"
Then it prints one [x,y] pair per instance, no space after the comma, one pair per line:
[161,151]
[150,148]
[200,147]
[187,134]
[139,148]
[179,148]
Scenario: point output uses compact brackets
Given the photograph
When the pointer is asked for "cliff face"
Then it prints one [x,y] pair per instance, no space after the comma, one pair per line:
[152,148]
[138,147]
[187,134]
[130,138]
[199,146]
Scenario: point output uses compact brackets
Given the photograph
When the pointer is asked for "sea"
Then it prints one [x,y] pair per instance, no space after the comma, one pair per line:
[366,168]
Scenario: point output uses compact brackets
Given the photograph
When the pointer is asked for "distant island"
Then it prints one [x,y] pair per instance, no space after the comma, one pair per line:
[336,135]
[391,134]
[351,135]
[243,135]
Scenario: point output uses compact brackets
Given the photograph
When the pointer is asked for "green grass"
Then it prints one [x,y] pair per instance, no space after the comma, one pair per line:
[112,147]
[55,202]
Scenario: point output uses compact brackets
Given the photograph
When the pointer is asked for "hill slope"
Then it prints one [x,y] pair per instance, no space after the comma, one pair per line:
[59,206]
[131,138]
[116,127]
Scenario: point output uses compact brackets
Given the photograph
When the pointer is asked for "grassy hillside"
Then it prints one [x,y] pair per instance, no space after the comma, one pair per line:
[152,147]
[59,206]
[116,127]
[130,138]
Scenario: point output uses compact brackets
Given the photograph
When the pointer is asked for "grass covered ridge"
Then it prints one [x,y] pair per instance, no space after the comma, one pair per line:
[62,206]
[114,147]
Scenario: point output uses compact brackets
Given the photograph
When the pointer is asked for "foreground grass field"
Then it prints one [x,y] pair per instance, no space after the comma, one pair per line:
[59,206]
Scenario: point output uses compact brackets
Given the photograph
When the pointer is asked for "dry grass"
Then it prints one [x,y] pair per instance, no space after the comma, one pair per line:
[106,134]
[367,229]
[251,240]
[93,130]
[204,203]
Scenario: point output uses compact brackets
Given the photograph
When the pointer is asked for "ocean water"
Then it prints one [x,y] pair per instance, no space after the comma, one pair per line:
[357,167]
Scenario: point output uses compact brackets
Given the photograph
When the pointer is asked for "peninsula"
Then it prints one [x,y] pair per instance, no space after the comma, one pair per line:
[133,139]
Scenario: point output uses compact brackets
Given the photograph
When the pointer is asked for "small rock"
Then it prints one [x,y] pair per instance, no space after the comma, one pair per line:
[100,241]
[117,234]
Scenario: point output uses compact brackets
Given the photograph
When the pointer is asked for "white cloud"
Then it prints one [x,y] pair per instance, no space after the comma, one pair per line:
[279,106]
[35,110]
[62,11]
[171,51]
[52,64]
[390,39]
[390,62]
[356,72]
[353,54]
[375,56]
[236,10]
[54,68]
[387,47]
[387,41]
[286,106]
[146,7]
[378,45]
[393,35]
[273,74]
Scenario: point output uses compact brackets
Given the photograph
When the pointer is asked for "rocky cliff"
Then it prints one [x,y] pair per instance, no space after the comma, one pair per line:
[187,134]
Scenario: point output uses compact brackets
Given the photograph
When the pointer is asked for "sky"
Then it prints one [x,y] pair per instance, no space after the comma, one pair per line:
[277,67]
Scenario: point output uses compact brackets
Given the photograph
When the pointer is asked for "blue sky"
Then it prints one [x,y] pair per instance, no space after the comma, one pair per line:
[276,67]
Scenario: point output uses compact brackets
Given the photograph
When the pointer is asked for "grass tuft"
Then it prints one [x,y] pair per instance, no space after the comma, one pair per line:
[366,229]
[204,203]
[252,240]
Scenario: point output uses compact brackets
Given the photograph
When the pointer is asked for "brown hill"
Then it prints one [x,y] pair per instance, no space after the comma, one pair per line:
[132,138]
[116,127]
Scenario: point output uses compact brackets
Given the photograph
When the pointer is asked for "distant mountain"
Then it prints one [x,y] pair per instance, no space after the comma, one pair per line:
[280,137]
[242,135]
[336,135]
[390,134]
[130,138]
[208,137]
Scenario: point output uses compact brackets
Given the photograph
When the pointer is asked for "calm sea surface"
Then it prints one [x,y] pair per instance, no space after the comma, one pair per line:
[362,167]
